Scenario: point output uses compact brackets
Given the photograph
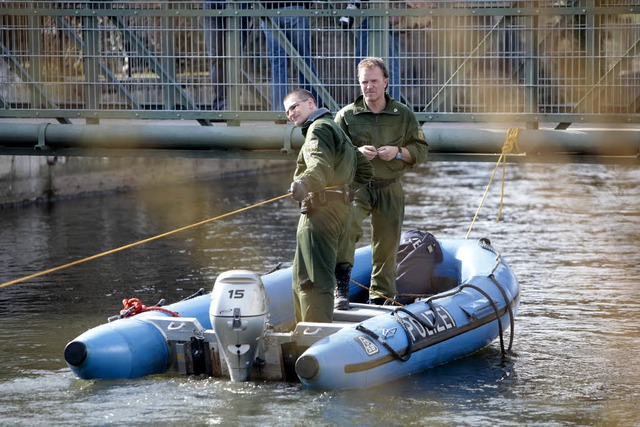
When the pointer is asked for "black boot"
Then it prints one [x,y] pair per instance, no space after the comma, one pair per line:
[343,277]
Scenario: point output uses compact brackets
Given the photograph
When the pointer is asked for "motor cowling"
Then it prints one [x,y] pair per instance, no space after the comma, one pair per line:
[239,314]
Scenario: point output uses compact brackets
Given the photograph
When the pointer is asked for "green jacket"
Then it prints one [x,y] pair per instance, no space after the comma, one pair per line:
[327,157]
[395,125]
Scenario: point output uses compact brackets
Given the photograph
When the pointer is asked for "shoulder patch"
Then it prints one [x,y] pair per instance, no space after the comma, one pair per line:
[421,134]
[311,146]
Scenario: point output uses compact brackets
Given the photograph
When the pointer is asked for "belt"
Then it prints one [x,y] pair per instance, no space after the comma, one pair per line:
[381,183]
[318,199]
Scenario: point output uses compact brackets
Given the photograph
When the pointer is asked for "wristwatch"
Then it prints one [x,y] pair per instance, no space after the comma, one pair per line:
[399,155]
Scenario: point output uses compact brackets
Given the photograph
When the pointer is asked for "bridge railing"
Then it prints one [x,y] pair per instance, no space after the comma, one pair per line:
[559,61]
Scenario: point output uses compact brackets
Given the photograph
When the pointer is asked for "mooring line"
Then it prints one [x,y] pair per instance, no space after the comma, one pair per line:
[391,300]
[140,242]
[510,146]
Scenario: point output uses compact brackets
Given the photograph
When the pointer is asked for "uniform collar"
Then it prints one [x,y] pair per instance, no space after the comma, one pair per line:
[313,117]
[390,108]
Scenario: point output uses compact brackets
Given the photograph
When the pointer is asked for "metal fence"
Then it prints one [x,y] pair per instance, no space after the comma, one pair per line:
[469,61]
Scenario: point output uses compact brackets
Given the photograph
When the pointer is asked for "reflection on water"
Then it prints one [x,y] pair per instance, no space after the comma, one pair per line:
[571,233]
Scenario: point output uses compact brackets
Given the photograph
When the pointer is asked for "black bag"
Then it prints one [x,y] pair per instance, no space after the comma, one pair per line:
[418,254]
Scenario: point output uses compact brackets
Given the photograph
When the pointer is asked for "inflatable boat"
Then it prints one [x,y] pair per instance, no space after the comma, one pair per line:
[244,329]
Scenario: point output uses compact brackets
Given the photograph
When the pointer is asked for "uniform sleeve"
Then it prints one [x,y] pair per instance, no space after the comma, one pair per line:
[364,168]
[317,154]
[416,142]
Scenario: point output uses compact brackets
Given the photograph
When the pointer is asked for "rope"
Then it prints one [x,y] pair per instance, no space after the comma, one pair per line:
[510,146]
[130,245]
[133,306]
[402,358]
[485,244]
[391,300]
[495,310]
[509,309]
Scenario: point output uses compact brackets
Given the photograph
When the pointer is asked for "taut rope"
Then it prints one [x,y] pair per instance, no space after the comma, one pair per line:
[140,242]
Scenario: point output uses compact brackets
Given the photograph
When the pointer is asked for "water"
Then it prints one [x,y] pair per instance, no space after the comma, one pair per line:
[571,233]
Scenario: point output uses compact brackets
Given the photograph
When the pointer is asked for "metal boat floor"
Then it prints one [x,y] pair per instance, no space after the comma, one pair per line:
[360,312]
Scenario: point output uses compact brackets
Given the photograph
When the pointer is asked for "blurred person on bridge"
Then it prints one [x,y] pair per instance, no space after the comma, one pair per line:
[215,38]
[297,30]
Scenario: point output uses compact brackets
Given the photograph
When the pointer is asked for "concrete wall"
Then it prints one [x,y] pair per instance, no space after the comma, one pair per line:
[33,179]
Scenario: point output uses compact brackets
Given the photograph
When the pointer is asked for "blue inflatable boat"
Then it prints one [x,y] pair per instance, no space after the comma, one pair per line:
[244,329]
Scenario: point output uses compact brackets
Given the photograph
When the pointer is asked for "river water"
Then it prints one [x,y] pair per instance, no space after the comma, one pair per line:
[571,232]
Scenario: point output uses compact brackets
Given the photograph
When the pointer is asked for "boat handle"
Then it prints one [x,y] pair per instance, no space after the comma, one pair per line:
[172,326]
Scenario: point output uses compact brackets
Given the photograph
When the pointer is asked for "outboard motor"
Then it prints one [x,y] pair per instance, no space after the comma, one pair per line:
[238,314]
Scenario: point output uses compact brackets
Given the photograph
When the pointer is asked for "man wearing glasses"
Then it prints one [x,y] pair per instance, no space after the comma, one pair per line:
[327,166]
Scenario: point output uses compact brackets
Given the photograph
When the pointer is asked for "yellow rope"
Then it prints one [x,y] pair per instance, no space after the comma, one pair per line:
[510,146]
[130,245]
[393,301]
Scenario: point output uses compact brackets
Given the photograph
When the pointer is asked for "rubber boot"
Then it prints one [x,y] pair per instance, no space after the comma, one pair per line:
[343,277]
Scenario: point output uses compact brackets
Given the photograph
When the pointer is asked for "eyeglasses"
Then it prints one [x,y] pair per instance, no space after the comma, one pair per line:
[294,106]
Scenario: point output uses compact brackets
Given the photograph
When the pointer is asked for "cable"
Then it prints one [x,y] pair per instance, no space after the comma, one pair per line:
[130,245]
[388,299]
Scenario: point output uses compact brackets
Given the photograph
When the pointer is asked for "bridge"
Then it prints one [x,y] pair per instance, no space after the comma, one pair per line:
[470,70]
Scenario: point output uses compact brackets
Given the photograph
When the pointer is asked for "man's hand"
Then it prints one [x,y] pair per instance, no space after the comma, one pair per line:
[369,151]
[298,190]
[388,152]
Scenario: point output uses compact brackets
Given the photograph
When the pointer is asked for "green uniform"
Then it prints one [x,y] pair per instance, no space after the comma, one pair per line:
[327,159]
[383,197]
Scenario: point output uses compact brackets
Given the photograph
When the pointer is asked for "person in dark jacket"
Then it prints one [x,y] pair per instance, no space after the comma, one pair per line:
[327,165]
[389,135]
[215,35]
[297,30]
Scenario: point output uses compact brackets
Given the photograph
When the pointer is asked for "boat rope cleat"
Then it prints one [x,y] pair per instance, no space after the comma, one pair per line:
[239,315]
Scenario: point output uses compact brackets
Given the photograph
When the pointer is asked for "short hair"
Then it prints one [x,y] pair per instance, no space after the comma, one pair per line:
[301,93]
[373,62]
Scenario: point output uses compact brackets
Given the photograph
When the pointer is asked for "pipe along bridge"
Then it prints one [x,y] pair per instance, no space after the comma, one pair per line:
[621,146]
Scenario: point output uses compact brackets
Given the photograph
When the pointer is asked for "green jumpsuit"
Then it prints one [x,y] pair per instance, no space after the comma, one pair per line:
[327,160]
[383,197]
